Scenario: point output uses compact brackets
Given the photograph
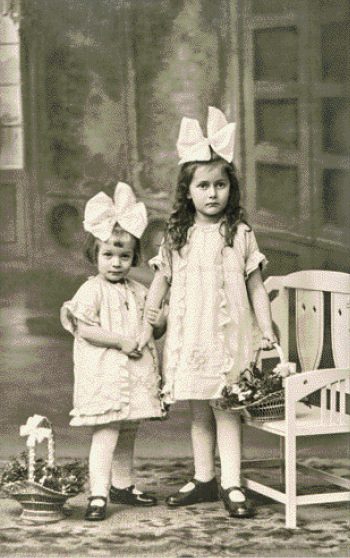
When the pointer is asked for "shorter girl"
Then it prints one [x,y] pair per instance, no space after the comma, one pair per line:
[115,384]
[219,309]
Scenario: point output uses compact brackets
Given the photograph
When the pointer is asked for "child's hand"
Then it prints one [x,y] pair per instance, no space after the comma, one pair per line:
[155,316]
[128,346]
[268,341]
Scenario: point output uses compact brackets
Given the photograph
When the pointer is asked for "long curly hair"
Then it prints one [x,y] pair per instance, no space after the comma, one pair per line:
[184,211]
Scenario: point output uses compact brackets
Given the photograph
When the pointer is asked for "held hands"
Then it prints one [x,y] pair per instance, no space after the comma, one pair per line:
[155,316]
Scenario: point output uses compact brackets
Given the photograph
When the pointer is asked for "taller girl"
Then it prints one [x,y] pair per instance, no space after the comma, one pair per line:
[219,309]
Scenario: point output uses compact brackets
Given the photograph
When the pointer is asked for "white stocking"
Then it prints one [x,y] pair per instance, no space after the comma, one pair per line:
[203,439]
[228,427]
[104,440]
[122,465]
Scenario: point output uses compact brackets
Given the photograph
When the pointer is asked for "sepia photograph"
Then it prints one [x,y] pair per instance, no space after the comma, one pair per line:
[175,278]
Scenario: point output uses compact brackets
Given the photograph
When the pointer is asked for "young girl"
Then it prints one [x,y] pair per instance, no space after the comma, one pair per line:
[115,385]
[211,260]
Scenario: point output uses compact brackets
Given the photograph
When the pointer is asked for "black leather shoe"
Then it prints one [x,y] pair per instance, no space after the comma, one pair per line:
[96,513]
[236,509]
[201,492]
[127,496]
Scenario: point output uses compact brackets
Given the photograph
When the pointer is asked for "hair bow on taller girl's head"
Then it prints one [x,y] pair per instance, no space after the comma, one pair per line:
[193,146]
[102,213]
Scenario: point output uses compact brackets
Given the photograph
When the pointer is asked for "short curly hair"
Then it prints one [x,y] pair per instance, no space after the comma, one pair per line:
[92,245]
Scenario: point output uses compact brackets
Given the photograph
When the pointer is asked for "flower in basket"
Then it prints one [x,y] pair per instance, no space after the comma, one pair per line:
[69,478]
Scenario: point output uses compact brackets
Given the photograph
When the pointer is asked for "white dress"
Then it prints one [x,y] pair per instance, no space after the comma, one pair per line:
[109,386]
[212,332]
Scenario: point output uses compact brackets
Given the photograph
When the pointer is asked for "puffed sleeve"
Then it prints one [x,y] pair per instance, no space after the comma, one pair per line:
[253,257]
[163,261]
[84,306]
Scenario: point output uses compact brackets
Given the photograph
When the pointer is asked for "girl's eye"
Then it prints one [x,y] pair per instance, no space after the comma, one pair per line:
[221,184]
[202,185]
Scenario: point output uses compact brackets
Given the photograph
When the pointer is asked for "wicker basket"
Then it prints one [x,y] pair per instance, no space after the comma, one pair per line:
[268,407]
[38,502]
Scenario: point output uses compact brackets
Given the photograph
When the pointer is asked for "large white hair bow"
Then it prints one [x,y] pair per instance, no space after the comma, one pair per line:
[102,213]
[193,146]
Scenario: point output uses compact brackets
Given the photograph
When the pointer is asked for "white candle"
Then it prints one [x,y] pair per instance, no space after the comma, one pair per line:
[51,449]
[31,463]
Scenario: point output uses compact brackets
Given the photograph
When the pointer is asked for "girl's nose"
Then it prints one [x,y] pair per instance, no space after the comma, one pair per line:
[116,261]
[212,191]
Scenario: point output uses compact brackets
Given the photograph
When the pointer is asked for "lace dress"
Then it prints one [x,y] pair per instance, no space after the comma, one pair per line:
[212,331]
[108,386]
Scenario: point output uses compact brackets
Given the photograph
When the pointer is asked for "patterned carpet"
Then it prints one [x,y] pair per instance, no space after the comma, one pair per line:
[196,531]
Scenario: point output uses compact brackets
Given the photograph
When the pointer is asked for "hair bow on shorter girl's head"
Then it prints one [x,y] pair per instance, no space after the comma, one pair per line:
[193,146]
[102,213]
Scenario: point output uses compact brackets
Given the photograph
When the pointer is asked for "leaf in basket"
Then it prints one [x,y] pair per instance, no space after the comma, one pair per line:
[16,471]
[69,478]
[256,372]
[14,487]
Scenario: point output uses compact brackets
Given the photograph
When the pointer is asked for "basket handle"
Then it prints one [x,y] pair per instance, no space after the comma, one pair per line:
[37,432]
[279,351]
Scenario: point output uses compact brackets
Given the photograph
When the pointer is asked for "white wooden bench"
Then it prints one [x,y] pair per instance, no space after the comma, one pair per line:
[298,308]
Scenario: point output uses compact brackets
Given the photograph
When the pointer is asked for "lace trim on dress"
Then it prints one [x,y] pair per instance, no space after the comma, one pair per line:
[224,318]
[167,393]
[80,419]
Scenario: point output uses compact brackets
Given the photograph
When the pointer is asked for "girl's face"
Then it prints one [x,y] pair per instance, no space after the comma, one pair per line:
[209,192]
[115,257]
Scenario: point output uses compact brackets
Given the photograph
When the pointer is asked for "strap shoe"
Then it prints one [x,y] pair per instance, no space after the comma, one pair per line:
[94,512]
[131,496]
[201,492]
[236,509]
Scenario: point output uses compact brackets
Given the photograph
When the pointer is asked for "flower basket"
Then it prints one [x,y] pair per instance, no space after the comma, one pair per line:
[38,502]
[41,487]
[257,394]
